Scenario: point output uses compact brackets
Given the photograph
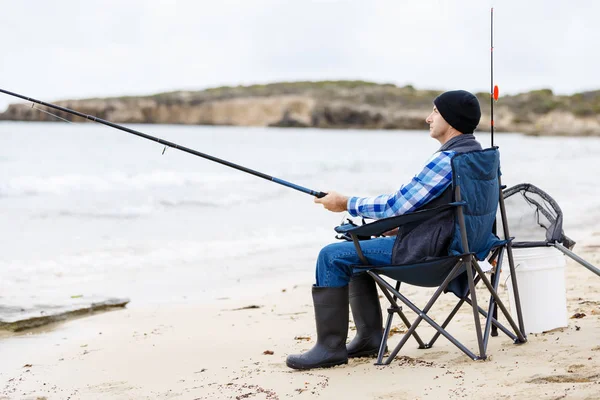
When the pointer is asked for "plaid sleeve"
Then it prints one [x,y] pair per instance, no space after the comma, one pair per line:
[428,184]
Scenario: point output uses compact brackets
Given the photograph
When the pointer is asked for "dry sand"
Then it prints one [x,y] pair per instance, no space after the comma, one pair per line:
[217,352]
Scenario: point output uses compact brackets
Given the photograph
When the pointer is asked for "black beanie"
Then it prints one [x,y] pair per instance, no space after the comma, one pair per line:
[460,109]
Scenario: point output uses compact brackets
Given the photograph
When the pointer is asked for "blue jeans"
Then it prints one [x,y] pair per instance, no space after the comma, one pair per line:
[334,265]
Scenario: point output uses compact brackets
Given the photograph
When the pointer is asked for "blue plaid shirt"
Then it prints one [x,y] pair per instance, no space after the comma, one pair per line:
[435,177]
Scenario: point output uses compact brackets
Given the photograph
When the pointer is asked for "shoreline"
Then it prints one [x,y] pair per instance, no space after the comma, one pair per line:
[351,128]
[329,104]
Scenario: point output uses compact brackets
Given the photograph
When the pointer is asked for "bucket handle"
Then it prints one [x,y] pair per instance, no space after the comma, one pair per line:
[508,276]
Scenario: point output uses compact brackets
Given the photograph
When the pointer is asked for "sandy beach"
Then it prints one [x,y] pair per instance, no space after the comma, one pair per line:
[235,348]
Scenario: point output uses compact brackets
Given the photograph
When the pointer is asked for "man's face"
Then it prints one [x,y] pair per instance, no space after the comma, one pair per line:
[438,127]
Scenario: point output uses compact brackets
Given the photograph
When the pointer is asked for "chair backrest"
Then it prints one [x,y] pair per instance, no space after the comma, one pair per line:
[475,180]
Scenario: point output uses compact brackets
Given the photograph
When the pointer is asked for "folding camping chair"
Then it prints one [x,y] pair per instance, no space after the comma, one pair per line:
[476,189]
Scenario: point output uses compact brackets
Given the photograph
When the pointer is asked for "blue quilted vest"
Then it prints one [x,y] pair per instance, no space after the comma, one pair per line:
[430,239]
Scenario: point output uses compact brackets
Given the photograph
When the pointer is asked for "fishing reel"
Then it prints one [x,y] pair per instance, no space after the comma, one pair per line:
[346,225]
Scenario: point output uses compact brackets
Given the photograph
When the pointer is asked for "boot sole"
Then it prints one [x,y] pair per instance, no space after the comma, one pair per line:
[324,365]
[365,353]
[372,352]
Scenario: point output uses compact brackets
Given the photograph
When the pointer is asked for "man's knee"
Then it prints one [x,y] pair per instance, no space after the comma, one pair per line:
[333,264]
[328,252]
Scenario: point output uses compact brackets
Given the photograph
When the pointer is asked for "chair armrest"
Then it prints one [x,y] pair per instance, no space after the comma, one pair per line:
[380,226]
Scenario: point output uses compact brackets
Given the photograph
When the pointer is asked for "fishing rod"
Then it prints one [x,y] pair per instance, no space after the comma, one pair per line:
[169,144]
[493,89]
[494,97]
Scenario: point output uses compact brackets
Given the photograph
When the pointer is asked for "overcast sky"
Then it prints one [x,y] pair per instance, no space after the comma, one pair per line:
[54,50]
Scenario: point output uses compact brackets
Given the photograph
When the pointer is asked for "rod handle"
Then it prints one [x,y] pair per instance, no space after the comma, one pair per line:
[320,195]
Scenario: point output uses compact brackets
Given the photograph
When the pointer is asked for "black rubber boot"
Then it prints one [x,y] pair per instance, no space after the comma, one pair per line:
[366,311]
[331,315]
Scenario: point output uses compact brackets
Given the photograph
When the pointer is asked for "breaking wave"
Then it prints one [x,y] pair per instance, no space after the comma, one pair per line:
[22,186]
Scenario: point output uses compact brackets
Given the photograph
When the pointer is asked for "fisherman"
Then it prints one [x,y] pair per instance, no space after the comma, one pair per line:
[455,116]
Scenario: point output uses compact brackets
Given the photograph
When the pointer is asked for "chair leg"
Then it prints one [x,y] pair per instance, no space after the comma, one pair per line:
[447,321]
[422,345]
[494,327]
[492,309]
[386,332]
[521,338]
[383,285]
[388,324]
[511,264]
[422,314]
[469,264]
[496,256]
[495,323]
[492,323]
[493,320]
[476,275]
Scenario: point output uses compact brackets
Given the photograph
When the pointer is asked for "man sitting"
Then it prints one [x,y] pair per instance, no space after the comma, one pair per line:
[455,116]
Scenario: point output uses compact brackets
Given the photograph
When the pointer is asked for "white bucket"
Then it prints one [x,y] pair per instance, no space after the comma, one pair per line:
[541,281]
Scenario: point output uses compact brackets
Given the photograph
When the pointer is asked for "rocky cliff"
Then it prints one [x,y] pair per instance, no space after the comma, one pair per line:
[330,104]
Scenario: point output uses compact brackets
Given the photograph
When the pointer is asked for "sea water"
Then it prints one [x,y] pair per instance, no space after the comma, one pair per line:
[86,210]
